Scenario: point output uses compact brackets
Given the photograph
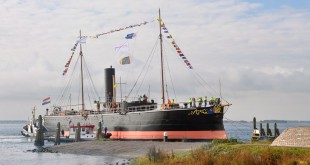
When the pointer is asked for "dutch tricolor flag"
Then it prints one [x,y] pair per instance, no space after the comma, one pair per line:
[46,101]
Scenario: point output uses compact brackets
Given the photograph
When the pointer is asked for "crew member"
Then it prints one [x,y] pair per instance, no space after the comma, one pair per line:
[144,98]
[194,102]
[199,101]
[190,101]
[169,103]
[212,101]
[205,101]
[172,103]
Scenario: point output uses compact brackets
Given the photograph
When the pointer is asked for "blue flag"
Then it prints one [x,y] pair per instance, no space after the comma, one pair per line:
[130,36]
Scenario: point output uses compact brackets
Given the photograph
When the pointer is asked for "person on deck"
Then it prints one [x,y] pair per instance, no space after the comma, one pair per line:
[190,101]
[169,103]
[144,98]
[105,130]
[199,101]
[205,101]
[62,132]
[212,101]
[194,102]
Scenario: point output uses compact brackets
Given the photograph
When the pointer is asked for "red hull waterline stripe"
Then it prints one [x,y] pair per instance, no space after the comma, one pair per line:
[171,134]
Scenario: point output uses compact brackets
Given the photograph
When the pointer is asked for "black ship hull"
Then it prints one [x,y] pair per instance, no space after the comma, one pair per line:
[178,124]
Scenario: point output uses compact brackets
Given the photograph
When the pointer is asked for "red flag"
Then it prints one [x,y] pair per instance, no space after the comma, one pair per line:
[46,99]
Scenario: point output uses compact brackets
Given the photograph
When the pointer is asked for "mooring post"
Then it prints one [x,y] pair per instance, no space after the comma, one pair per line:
[57,136]
[165,136]
[276,130]
[254,123]
[269,133]
[78,132]
[39,136]
[263,133]
[99,131]
[261,129]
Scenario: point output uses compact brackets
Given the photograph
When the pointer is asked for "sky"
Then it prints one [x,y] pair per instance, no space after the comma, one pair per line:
[255,52]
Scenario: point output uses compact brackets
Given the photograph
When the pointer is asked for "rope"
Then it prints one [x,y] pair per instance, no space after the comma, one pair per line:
[142,70]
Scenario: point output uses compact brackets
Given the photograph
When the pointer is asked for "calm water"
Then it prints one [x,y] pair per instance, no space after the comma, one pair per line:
[13,149]
[243,130]
[13,146]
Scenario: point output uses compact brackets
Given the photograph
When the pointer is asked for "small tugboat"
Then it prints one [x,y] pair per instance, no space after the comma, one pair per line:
[30,130]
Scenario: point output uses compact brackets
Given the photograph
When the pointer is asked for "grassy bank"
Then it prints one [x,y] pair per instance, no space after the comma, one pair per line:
[228,152]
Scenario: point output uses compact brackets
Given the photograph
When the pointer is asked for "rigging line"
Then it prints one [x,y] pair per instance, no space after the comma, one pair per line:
[65,92]
[210,86]
[199,79]
[173,50]
[79,92]
[90,102]
[90,77]
[206,82]
[175,96]
[148,67]
[167,92]
[88,90]
[165,76]
[141,71]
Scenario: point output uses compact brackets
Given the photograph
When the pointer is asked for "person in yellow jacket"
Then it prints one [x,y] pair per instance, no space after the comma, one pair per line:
[190,101]
[205,101]
[212,101]
[199,101]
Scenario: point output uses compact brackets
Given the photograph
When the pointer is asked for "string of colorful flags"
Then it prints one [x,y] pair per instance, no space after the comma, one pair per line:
[120,29]
[177,48]
[82,40]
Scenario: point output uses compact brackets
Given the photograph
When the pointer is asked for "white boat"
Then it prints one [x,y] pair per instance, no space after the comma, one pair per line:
[30,129]
[87,132]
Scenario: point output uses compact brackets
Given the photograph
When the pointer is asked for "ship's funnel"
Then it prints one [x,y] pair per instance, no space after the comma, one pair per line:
[109,84]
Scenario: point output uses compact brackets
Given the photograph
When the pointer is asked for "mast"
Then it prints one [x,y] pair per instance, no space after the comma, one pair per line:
[82,83]
[161,61]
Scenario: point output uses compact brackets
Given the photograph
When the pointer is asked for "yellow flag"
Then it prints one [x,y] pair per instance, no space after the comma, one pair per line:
[159,19]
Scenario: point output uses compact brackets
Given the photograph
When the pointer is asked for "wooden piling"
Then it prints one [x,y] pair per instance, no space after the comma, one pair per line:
[39,136]
[254,123]
[269,133]
[78,133]
[99,131]
[261,130]
[57,136]
[276,130]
